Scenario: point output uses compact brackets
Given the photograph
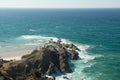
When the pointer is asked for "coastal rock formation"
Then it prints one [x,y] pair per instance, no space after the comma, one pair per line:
[73,54]
[2,62]
[40,62]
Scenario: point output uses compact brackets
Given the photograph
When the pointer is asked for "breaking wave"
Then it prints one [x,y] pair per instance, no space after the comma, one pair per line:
[79,65]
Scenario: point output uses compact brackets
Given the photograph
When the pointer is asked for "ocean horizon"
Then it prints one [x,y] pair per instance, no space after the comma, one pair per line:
[96,31]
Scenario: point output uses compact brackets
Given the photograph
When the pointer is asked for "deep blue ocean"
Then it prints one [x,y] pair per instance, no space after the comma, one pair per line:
[95,31]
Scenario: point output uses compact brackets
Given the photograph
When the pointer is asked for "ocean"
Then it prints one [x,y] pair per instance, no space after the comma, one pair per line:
[95,31]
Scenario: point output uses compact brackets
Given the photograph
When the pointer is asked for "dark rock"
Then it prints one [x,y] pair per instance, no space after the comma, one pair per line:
[40,62]
[50,69]
[63,58]
[73,54]
[1,62]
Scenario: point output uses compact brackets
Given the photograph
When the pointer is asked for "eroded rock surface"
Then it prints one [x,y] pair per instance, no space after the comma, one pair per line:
[39,63]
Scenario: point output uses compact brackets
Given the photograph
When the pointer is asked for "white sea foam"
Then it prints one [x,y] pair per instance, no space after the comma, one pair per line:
[30,37]
[36,40]
[36,37]
[32,44]
[80,65]
[32,30]
[83,53]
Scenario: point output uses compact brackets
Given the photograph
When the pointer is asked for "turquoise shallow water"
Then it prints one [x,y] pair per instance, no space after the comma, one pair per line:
[95,31]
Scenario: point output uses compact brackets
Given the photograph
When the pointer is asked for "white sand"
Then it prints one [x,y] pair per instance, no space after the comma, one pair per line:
[14,55]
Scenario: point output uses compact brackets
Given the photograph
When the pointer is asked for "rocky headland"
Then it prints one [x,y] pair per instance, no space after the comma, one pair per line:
[41,63]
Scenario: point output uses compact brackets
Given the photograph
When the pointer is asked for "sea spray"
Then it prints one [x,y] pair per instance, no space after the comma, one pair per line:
[79,65]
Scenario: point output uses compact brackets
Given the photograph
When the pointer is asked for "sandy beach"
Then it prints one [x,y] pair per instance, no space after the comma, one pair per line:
[16,55]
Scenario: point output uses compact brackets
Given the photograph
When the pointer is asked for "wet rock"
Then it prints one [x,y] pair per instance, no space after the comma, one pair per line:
[63,58]
[40,62]
[50,69]
[73,54]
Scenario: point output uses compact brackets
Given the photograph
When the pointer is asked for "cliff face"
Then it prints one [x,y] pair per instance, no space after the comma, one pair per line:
[39,63]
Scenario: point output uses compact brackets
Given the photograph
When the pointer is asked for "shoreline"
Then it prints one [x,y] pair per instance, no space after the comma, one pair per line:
[15,55]
[43,60]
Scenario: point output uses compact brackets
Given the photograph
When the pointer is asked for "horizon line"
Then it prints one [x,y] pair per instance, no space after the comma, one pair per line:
[57,8]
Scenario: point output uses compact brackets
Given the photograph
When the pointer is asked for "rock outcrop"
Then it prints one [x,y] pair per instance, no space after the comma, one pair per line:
[39,63]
